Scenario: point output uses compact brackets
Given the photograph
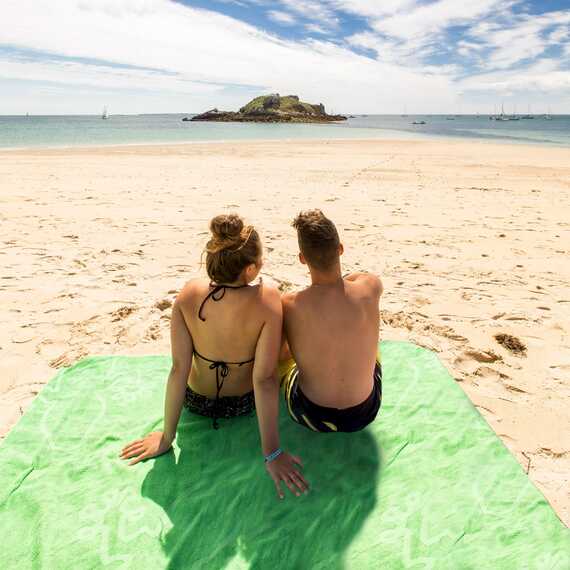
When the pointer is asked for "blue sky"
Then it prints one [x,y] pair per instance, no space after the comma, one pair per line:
[359,56]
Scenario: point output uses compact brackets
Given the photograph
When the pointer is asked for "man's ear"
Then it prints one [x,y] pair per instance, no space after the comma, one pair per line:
[302,259]
[340,249]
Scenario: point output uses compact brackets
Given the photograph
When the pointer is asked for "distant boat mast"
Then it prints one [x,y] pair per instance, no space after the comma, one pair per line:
[105,115]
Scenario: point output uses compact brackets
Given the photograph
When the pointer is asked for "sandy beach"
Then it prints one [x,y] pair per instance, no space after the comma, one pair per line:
[470,239]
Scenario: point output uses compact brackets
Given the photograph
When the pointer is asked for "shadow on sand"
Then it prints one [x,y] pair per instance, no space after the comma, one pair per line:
[223,506]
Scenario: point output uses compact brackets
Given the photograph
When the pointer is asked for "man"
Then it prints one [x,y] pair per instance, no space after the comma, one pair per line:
[333,382]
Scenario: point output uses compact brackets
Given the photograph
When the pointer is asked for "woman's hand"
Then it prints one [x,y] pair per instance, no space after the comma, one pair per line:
[284,468]
[151,445]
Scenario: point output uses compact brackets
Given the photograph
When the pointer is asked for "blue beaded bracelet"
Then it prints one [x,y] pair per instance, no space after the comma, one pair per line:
[274,455]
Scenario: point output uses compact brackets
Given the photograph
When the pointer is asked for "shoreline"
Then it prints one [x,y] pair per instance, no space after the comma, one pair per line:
[425,138]
[469,240]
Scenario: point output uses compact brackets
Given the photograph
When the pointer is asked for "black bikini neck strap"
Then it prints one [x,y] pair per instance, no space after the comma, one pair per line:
[212,295]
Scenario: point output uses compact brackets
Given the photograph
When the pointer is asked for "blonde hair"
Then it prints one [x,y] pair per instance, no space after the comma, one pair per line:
[231,248]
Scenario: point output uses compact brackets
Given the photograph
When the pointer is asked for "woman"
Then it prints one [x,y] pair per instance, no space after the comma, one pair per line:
[225,337]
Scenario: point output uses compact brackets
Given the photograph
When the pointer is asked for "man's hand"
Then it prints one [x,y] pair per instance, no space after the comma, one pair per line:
[151,445]
[284,468]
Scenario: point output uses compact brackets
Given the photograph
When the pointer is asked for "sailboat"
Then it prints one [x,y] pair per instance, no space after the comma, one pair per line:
[502,116]
[528,115]
[104,115]
[514,116]
[548,116]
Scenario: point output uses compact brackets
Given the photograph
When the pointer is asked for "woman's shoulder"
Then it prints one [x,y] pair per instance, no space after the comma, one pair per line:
[192,289]
[269,295]
[268,288]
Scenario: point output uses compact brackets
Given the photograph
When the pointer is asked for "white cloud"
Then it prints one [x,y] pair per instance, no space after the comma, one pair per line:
[526,37]
[467,48]
[198,45]
[373,8]
[281,17]
[199,52]
[313,10]
[560,34]
[101,76]
[316,29]
[542,76]
[429,19]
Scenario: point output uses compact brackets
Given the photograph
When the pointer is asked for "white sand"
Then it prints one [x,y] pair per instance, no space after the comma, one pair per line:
[471,240]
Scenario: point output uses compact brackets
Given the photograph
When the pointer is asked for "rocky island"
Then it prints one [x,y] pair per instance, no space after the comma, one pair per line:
[272,109]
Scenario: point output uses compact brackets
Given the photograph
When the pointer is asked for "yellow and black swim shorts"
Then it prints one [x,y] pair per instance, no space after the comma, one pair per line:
[322,418]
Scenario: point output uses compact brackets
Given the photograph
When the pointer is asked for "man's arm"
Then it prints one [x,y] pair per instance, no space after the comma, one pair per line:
[285,353]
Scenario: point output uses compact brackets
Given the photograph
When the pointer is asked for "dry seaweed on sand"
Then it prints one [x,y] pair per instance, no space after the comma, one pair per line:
[511,343]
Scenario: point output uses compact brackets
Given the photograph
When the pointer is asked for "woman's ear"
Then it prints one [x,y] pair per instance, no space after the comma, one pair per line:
[340,249]
[251,272]
[302,259]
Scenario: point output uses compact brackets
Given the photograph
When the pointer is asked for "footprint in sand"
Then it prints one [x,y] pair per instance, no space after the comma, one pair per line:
[163,304]
[122,313]
[153,332]
[489,373]
[482,356]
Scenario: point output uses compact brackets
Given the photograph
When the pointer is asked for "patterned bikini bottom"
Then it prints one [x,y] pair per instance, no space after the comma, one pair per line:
[224,407]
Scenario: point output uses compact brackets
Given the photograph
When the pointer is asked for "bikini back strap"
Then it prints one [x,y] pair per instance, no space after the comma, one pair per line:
[222,370]
[212,295]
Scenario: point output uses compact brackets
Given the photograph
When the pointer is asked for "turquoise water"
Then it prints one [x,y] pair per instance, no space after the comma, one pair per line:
[57,131]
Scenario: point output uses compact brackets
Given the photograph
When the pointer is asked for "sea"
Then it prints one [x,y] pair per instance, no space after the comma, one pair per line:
[83,130]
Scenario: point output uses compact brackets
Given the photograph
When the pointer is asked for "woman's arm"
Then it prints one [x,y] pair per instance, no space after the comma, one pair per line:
[266,387]
[265,384]
[157,442]
[182,349]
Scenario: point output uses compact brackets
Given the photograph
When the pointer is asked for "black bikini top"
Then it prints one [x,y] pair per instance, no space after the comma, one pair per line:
[220,366]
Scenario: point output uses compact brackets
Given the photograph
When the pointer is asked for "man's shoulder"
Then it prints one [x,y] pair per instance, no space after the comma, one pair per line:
[367,280]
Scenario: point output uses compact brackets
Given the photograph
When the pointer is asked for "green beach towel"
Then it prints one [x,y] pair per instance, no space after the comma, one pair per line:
[427,486]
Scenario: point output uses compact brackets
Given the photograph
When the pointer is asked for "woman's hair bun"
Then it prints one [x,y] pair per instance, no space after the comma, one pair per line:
[226,227]
[232,247]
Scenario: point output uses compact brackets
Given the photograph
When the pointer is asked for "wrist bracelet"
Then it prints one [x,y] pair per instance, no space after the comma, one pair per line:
[274,455]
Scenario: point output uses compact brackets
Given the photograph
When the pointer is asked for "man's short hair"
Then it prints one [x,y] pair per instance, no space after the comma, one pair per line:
[318,239]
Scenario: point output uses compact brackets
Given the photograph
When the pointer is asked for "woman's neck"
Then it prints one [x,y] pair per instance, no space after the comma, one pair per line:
[237,283]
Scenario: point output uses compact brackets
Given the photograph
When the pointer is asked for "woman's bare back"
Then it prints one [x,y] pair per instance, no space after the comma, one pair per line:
[229,333]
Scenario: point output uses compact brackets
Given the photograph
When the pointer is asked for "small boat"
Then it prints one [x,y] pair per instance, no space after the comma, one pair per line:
[419,123]
[528,115]
[501,116]
[105,115]
[548,116]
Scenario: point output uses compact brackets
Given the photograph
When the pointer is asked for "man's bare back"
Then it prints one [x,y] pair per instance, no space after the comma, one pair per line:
[332,331]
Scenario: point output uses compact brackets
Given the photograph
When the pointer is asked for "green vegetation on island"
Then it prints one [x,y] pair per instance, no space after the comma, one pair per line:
[273,109]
